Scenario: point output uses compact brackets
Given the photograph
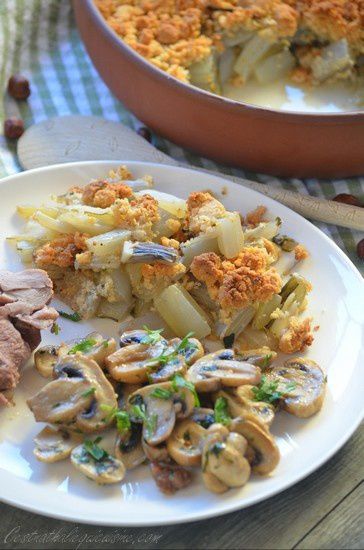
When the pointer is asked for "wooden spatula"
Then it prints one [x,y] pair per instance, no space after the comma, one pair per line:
[76,138]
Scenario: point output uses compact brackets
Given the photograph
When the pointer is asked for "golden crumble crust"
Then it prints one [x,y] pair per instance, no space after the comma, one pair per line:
[60,252]
[239,282]
[297,336]
[101,193]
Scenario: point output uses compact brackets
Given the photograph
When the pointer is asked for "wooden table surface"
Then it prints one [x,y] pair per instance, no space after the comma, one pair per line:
[326,510]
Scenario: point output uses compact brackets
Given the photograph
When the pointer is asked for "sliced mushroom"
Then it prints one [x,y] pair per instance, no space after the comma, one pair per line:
[241,403]
[99,349]
[128,447]
[303,385]
[160,413]
[203,416]
[74,399]
[265,455]
[131,364]
[167,371]
[192,351]
[104,471]
[261,357]
[44,360]
[223,462]
[53,445]
[136,337]
[123,391]
[185,443]
[60,401]
[148,252]
[94,417]
[222,369]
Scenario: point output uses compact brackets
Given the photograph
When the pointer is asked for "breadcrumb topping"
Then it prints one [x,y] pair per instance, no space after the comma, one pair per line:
[297,336]
[239,282]
[203,211]
[174,34]
[138,215]
[60,252]
[101,193]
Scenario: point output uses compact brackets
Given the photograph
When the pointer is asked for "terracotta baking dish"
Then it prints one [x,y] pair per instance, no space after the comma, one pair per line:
[258,139]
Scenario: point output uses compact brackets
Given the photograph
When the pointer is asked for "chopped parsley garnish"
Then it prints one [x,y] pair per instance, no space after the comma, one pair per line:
[151,424]
[162,393]
[152,336]
[55,329]
[105,344]
[165,358]
[122,418]
[92,448]
[178,383]
[75,317]
[221,411]
[266,360]
[268,391]
[88,392]
[84,346]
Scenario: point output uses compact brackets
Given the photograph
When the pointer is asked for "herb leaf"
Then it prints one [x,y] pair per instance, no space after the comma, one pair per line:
[161,393]
[221,411]
[165,358]
[84,346]
[88,392]
[268,391]
[93,449]
[178,382]
[75,317]
[121,417]
[152,336]
[55,329]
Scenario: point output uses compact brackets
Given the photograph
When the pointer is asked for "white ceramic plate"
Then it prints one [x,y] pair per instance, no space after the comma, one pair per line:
[337,304]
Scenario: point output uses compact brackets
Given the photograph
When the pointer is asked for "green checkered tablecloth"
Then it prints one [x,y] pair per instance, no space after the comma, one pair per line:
[39,38]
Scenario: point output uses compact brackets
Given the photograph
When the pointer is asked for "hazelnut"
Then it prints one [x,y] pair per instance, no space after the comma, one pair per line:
[346,198]
[18,87]
[360,249]
[13,128]
[145,133]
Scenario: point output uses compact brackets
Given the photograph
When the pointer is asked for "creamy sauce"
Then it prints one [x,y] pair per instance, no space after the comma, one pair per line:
[287,96]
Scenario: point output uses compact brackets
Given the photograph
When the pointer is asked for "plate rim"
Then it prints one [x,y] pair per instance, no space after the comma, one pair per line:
[234,505]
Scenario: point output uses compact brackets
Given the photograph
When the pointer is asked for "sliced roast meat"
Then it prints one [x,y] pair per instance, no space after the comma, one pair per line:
[23,314]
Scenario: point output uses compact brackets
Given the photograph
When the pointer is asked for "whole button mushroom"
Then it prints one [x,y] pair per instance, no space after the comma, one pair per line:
[264,453]
[223,462]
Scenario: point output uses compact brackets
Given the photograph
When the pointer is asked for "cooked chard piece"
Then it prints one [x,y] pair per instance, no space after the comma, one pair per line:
[223,462]
[221,368]
[206,242]
[274,67]
[108,243]
[134,252]
[230,236]
[52,445]
[203,74]
[333,60]
[251,54]
[239,322]
[302,385]
[263,314]
[182,312]
[96,464]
